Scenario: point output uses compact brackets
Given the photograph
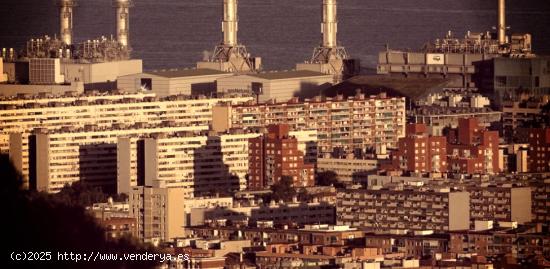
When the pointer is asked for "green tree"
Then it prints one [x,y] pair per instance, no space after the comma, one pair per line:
[326,178]
[283,190]
[37,221]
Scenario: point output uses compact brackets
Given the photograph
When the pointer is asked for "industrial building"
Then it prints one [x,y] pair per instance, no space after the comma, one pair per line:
[173,82]
[95,63]
[280,86]
[199,163]
[410,208]
[329,57]
[24,113]
[230,55]
[455,58]
[507,77]
[343,125]
[275,155]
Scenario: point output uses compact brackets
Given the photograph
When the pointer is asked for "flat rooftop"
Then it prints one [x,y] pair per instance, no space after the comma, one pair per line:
[186,73]
[287,74]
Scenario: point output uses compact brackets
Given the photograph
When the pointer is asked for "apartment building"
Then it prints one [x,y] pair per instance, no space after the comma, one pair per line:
[519,112]
[539,150]
[439,210]
[541,200]
[439,118]
[24,113]
[504,203]
[348,169]
[346,124]
[202,163]
[67,155]
[163,213]
[472,149]
[289,213]
[275,155]
[419,152]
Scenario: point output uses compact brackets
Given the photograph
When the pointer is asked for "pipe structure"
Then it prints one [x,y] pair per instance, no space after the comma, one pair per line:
[123,21]
[501,22]
[66,20]
[329,26]
[230,22]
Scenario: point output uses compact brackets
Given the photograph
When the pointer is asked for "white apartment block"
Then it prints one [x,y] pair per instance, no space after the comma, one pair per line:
[197,163]
[89,154]
[354,123]
[22,114]
[348,169]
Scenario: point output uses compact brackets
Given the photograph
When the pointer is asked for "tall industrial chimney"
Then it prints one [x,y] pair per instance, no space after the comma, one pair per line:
[329,26]
[501,22]
[230,22]
[66,20]
[123,21]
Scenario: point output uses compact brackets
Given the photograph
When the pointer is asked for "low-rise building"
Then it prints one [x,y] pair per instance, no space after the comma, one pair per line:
[173,82]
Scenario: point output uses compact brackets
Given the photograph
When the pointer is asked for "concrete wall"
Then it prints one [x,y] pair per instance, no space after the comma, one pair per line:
[3,77]
[123,165]
[14,89]
[100,72]
[174,213]
[42,165]
[280,89]
[521,205]
[163,86]
[459,211]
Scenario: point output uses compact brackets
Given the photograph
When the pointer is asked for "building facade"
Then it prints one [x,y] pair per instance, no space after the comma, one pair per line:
[22,114]
[275,155]
[412,209]
[349,124]
[472,149]
[419,152]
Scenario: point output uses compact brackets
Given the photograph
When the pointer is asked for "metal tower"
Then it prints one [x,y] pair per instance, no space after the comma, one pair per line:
[501,26]
[123,21]
[328,57]
[66,20]
[230,56]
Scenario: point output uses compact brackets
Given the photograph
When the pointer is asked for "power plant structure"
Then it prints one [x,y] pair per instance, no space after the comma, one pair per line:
[451,57]
[58,61]
[66,20]
[230,56]
[123,21]
[101,49]
[329,57]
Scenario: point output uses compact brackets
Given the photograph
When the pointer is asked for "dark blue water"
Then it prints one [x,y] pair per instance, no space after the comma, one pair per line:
[174,33]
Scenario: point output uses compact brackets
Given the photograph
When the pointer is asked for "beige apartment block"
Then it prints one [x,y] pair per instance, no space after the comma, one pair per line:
[22,114]
[163,213]
[412,209]
[503,203]
[348,169]
[355,123]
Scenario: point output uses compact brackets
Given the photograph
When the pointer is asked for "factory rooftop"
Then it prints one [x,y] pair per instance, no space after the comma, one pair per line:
[287,74]
[394,86]
[178,73]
